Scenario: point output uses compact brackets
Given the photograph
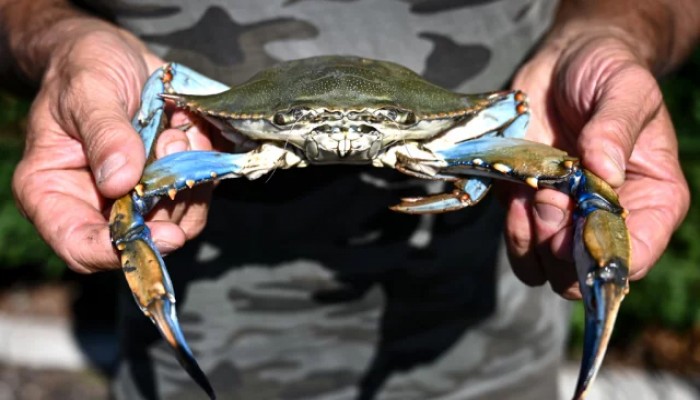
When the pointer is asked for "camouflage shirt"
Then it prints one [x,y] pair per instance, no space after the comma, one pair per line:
[304,285]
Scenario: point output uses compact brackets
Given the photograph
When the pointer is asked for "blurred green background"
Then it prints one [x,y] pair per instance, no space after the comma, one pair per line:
[659,323]
[21,249]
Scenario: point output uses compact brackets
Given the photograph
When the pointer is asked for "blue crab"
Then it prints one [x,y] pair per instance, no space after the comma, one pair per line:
[337,109]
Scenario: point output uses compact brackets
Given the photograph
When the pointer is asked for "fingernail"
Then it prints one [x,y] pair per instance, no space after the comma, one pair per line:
[111,165]
[176,147]
[549,214]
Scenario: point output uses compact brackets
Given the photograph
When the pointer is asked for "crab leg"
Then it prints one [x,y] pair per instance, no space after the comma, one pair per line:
[506,117]
[602,256]
[141,262]
[148,280]
[601,242]
[466,193]
[149,120]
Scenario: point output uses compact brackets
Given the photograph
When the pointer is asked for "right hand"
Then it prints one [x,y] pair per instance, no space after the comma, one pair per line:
[81,150]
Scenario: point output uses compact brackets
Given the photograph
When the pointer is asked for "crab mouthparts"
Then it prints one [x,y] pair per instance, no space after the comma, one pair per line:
[335,145]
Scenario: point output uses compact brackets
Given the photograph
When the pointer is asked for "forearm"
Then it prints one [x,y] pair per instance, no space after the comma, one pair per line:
[661,32]
[34,31]
[31,30]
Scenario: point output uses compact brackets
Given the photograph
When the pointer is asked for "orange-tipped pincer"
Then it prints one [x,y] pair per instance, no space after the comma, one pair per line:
[162,313]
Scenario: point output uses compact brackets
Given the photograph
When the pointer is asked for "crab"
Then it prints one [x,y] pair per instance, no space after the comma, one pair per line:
[350,110]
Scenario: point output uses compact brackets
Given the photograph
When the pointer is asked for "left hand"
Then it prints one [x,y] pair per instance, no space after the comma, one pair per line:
[596,99]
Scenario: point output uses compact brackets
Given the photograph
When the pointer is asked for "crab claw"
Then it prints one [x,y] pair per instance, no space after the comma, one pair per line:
[149,281]
[162,313]
[601,253]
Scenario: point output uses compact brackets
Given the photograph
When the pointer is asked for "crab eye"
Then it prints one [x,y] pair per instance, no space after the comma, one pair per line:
[279,119]
[288,116]
[408,118]
[385,114]
[400,116]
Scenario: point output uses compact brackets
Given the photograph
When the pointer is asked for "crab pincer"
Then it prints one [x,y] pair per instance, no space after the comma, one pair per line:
[601,240]
[149,281]
[602,257]
[142,264]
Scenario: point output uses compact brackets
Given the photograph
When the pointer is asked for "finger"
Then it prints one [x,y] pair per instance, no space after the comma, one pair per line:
[552,227]
[552,217]
[520,237]
[194,218]
[74,227]
[87,246]
[561,274]
[71,220]
[627,100]
[190,207]
[201,134]
[172,141]
[656,194]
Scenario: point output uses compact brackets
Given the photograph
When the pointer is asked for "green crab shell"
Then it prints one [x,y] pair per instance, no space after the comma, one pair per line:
[334,83]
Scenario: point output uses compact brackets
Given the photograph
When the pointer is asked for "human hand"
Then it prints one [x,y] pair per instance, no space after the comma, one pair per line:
[81,150]
[596,99]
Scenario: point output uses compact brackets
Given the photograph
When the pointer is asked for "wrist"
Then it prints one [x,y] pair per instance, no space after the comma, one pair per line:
[29,33]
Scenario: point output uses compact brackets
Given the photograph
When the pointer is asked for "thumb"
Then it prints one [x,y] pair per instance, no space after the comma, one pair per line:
[626,101]
[114,150]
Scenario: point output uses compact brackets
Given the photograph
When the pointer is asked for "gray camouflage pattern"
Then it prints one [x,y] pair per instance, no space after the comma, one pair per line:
[305,286]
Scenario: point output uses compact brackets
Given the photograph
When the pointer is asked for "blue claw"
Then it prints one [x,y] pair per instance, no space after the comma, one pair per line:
[601,253]
[601,307]
[162,313]
[149,281]
[601,242]
[143,266]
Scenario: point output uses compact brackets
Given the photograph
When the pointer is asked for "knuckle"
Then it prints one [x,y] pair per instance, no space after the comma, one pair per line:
[617,126]
[21,190]
[683,196]
[29,189]
[519,228]
[639,273]
[518,240]
[193,225]
[192,230]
